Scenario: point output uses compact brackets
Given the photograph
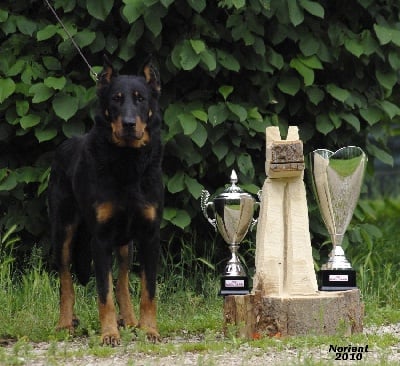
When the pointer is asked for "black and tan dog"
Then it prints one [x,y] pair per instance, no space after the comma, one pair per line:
[106,195]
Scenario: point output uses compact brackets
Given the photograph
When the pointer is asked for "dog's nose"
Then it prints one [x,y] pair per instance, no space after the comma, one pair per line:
[129,122]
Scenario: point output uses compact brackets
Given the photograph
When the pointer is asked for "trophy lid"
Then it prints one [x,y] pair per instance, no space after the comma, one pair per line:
[233,190]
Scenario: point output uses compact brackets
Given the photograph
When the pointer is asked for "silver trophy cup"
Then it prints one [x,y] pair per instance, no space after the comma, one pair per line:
[337,179]
[231,213]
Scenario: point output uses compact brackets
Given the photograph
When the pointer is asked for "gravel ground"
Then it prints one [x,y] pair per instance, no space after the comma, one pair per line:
[41,354]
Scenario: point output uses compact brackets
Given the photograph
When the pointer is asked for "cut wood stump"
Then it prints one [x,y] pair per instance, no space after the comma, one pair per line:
[328,313]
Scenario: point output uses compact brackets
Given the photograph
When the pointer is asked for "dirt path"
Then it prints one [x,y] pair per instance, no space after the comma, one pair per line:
[75,353]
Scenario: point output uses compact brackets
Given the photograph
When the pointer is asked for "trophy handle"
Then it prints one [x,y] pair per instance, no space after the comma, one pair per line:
[256,207]
[205,195]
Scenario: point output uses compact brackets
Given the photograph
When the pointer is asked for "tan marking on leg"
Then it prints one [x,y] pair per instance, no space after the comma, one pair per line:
[122,289]
[108,320]
[148,311]
[104,212]
[150,212]
[67,319]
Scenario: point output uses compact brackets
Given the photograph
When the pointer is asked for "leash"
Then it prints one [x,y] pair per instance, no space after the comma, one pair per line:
[93,74]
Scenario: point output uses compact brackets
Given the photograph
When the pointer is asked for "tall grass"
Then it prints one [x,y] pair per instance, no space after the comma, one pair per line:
[378,265]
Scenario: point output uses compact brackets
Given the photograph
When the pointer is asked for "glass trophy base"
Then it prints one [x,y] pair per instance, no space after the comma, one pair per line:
[234,285]
[336,280]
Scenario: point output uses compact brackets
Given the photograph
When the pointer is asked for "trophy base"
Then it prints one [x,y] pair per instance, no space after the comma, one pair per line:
[234,285]
[337,279]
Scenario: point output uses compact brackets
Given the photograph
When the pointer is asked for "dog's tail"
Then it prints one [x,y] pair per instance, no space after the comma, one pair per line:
[82,255]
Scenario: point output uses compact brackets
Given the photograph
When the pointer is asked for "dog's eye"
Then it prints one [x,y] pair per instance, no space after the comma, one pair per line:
[138,97]
[117,97]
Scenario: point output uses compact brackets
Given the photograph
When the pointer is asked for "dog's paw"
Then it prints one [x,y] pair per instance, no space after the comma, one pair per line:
[110,339]
[69,325]
[152,334]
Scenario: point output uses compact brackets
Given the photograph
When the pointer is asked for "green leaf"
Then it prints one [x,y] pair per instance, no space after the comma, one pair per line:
[9,182]
[394,60]
[312,62]
[309,45]
[354,47]
[193,186]
[352,120]
[197,5]
[3,15]
[324,124]
[371,114]
[26,26]
[225,91]
[303,70]
[199,136]
[132,10]
[228,61]
[218,114]
[188,123]
[40,92]
[46,32]
[85,38]
[47,134]
[380,154]
[208,58]
[51,63]
[315,94]
[176,183]
[338,93]
[289,85]
[55,83]
[198,45]
[245,165]
[238,4]
[152,19]
[22,107]
[220,149]
[7,87]
[386,79]
[313,7]
[182,219]
[386,35]
[29,120]
[65,106]
[296,15]
[188,57]
[392,110]
[99,9]
[200,115]
[238,110]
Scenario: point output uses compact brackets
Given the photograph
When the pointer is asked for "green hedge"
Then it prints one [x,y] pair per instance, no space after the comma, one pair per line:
[229,69]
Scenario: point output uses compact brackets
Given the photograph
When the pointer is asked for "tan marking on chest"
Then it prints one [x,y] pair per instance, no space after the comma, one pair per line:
[104,211]
[150,212]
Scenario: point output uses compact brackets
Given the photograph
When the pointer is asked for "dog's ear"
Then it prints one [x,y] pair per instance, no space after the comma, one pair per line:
[152,77]
[107,72]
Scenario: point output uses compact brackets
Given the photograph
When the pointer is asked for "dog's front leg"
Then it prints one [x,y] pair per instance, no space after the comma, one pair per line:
[67,319]
[124,255]
[107,314]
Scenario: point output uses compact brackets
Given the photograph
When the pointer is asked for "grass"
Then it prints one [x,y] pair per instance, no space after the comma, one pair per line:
[188,307]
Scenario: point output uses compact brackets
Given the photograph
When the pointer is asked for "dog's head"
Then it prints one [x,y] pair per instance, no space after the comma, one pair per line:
[128,104]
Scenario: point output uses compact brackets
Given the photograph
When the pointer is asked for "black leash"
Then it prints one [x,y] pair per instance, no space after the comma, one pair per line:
[93,74]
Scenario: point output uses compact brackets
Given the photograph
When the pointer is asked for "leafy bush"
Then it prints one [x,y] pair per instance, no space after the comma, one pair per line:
[229,68]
